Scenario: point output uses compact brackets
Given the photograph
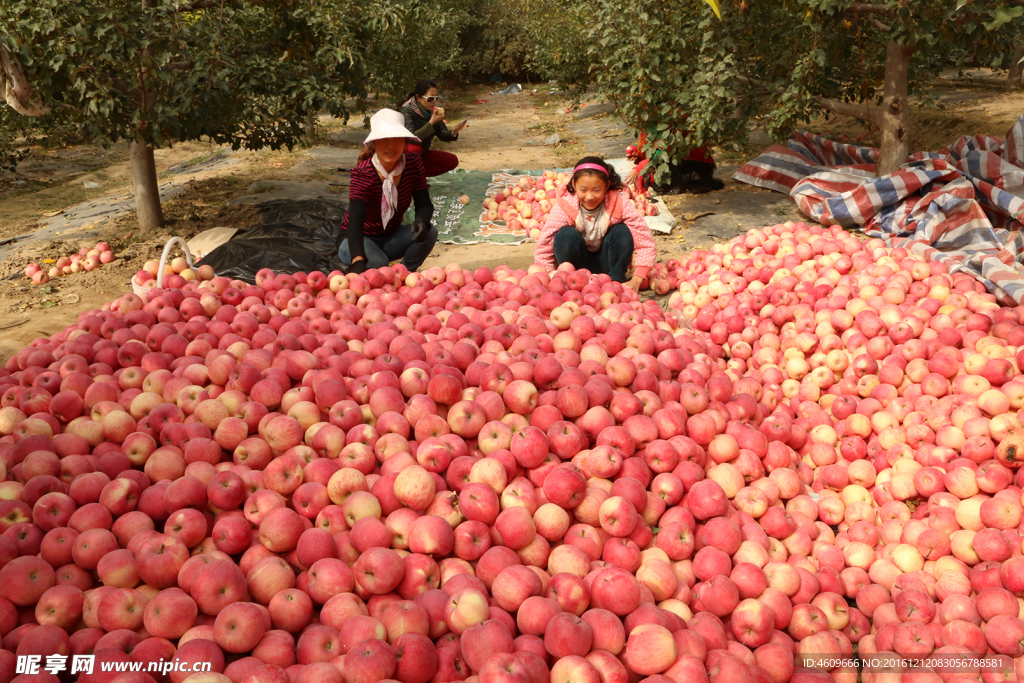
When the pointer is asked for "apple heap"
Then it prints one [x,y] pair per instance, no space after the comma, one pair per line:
[526,205]
[641,200]
[85,260]
[525,477]
[664,277]
[176,274]
[902,396]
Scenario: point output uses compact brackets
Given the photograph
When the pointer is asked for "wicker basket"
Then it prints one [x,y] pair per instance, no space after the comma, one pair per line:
[163,261]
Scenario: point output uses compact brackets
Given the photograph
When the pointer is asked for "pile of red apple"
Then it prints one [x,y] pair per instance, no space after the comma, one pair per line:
[526,205]
[86,260]
[524,477]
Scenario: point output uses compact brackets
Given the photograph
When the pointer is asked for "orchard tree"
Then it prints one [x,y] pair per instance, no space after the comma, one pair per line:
[560,44]
[689,79]
[1016,68]
[558,38]
[155,72]
[420,41]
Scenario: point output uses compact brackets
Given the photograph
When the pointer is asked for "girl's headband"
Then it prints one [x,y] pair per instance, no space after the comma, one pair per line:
[590,167]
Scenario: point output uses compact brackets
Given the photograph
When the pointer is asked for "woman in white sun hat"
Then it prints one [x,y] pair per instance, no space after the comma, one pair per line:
[385,182]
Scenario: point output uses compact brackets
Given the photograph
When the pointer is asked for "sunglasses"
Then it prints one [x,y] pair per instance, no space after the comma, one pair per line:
[432,98]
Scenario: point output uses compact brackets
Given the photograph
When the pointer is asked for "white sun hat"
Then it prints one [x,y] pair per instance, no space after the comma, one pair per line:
[388,123]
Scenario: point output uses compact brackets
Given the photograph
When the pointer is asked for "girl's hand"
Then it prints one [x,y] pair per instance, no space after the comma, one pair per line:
[635,283]
[437,115]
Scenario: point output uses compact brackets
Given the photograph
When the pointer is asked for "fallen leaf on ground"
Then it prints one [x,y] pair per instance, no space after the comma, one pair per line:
[695,216]
[50,214]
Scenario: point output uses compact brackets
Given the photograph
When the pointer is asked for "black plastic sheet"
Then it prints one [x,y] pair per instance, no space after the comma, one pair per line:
[311,213]
[295,236]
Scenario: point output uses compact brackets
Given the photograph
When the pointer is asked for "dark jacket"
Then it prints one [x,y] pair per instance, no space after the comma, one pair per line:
[364,210]
[419,124]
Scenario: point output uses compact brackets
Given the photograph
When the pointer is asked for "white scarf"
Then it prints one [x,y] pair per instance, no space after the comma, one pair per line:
[593,225]
[389,193]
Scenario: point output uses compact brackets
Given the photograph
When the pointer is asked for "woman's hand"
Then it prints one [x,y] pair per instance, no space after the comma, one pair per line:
[635,283]
[459,127]
[437,115]
[630,177]
[420,230]
[358,265]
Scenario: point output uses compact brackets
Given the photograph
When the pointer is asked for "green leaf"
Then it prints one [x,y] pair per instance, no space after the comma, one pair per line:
[1004,15]
[662,175]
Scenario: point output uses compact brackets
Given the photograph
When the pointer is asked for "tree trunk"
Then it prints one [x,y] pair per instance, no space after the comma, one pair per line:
[895,115]
[311,127]
[147,191]
[1016,68]
[140,156]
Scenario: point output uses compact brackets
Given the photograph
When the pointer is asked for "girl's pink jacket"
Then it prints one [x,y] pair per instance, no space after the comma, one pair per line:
[644,250]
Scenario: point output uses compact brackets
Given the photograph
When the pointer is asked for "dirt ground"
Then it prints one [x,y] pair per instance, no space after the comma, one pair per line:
[505,131]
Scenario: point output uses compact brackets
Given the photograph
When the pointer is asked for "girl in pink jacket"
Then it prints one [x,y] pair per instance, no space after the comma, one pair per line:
[594,226]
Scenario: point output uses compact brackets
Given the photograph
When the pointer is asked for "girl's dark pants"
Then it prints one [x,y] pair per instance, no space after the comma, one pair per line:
[613,258]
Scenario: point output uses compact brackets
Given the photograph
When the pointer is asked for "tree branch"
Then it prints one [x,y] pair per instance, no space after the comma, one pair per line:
[17,91]
[745,80]
[863,8]
[198,5]
[864,112]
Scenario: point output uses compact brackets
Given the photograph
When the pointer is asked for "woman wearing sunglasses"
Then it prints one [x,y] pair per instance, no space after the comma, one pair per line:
[425,119]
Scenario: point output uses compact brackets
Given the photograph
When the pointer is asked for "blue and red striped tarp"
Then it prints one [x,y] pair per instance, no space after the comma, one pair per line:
[963,204]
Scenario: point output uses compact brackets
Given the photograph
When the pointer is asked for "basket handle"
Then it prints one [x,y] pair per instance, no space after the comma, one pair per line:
[163,258]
